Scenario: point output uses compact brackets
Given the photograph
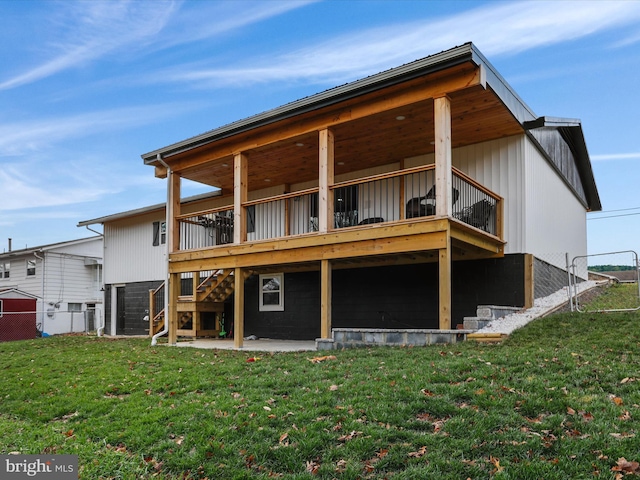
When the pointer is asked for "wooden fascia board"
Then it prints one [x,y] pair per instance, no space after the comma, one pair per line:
[475,237]
[410,237]
[365,106]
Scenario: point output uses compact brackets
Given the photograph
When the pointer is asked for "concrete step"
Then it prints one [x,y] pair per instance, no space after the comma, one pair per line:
[486,314]
[475,323]
[493,312]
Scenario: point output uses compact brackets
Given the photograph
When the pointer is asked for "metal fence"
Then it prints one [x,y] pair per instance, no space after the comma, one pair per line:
[624,269]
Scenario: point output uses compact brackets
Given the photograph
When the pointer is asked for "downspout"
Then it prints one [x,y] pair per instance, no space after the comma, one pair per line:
[35,254]
[165,329]
[100,329]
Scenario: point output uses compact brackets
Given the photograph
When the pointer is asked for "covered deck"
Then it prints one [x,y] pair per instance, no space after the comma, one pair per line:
[360,175]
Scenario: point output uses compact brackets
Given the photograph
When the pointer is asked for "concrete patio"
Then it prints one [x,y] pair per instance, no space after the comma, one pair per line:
[260,345]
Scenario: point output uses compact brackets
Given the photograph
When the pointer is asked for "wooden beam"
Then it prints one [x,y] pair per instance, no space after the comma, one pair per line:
[160,171]
[366,105]
[240,182]
[444,287]
[171,316]
[444,176]
[529,281]
[326,179]
[173,206]
[238,308]
[403,200]
[325,298]
[152,312]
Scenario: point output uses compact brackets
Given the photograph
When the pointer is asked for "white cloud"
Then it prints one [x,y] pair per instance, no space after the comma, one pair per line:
[85,31]
[31,136]
[498,29]
[615,156]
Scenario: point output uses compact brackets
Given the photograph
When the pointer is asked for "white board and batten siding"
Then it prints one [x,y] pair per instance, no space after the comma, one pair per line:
[130,255]
[543,216]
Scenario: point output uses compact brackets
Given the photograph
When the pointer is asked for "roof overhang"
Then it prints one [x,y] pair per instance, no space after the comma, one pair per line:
[395,76]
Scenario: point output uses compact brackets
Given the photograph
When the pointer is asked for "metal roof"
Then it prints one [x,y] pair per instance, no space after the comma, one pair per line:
[433,63]
[143,210]
[51,246]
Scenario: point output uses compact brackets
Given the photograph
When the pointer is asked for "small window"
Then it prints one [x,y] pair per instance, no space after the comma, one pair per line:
[74,307]
[1,309]
[272,293]
[159,233]
[5,270]
[31,268]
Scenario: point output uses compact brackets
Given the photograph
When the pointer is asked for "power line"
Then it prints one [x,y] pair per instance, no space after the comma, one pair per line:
[614,216]
[620,210]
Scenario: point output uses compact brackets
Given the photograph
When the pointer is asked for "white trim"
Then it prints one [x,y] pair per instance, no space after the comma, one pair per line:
[279,307]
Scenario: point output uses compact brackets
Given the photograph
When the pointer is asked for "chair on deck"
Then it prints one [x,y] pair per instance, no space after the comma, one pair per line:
[477,215]
[424,206]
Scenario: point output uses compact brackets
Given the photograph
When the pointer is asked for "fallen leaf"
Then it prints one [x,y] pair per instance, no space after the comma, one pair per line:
[333,388]
[426,392]
[419,453]
[284,439]
[341,466]
[571,411]
[586,416]
[312,467]
[322,359]
[349,436]
[627,467]
[625,416]
[617,400]
[496,463]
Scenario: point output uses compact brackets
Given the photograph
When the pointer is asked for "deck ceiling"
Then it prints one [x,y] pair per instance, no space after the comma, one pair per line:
[477,115]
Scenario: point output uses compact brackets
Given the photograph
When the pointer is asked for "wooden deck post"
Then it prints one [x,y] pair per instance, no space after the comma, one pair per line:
[444,286]
[238,308]
[173,245]
[172,315]
[152,313]
[325,180]
[173,211]
[325,298]
[240,176]
[444,206]
[529,283]
[444,175]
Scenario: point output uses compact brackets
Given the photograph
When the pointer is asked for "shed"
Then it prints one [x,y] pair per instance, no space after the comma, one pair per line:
[17,315]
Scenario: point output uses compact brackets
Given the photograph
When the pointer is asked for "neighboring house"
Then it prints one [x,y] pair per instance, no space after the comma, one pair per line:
[17,315]
[66,278]
[402,200]
[135,262]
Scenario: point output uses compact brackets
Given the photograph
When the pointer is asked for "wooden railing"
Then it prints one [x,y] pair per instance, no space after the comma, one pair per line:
[389,197]
[156,309]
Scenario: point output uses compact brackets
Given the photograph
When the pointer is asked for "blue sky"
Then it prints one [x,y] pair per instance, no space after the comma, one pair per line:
[86,87]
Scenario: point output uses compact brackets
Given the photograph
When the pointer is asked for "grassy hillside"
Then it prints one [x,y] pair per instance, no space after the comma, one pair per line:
[558,399]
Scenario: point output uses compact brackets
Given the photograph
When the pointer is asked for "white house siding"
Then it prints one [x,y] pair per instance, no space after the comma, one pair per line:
[130,255]
[64,274]
[69,280]
[556,221]
[497,165]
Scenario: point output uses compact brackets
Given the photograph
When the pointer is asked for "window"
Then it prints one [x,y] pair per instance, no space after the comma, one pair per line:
[31,268]
[5,269]
[272,292]
[1,309]
[159,233]
[74,307]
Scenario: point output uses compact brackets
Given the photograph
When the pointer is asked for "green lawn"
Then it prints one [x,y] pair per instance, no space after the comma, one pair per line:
[558,399]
